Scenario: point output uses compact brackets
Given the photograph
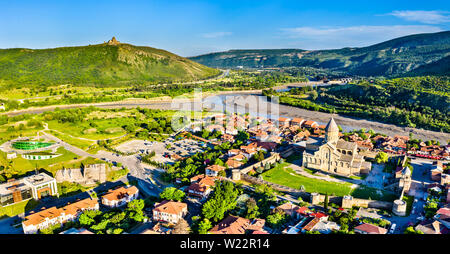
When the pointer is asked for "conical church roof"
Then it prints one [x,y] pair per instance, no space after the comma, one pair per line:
[331,126]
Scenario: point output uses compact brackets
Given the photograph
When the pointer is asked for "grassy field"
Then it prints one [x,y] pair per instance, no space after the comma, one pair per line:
[80,143]
[66,189]
[21,166]
[284,175]
[15,209]
[104,129]
[116,174]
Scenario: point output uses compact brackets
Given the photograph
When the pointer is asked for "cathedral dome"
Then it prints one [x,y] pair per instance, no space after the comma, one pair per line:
[331,126]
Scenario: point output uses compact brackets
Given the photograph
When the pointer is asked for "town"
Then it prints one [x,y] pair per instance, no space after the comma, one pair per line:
[234,173]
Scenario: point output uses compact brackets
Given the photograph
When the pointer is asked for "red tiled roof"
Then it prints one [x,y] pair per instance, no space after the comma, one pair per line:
[371,229]
[170,207]
[216,168]
[119,193]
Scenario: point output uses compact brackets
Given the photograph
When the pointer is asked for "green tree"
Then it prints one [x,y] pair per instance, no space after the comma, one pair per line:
[172,193]
[381,157]
[252,209]
[222,201]
[204,226]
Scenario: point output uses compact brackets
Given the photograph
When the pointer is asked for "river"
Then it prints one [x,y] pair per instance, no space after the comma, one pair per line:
[252,102]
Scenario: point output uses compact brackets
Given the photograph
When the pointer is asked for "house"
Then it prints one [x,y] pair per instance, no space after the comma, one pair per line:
[266,146]
[261,135]
[310,124]
[52,216]
[120,196]
[310,225]
[201,186]
[443,211]
[227,138]
[232,163]
[436,172]
[284,122]
[289,209]
[367,228]
[35,186]
[274,139]
[232,152]
[215,127]
[230,130]
[301,136]
[297,121]
[237,225]
[443,216]
[213,170]
[75,231]
[303,211]
[169,211]
[326,227]
[430,227]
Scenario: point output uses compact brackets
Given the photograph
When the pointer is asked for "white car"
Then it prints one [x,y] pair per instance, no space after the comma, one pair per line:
[391,231]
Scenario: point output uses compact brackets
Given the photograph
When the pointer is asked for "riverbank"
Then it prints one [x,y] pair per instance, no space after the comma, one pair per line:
[167,103]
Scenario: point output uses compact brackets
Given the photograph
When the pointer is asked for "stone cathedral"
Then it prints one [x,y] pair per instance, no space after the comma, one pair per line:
[334,155]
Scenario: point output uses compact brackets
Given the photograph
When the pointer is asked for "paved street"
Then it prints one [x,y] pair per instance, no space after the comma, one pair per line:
[137,171]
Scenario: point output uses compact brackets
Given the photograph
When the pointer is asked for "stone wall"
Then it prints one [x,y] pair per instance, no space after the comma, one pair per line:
[282,188]
[90,174]
[274,157]
[349,201]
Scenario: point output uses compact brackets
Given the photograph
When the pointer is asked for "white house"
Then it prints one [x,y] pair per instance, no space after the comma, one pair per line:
[120,196]
[169,211]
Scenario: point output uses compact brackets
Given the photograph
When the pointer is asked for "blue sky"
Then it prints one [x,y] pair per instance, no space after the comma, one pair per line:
[194,27]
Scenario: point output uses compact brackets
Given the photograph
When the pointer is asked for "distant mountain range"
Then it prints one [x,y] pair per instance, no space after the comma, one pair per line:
[409,55]
[110,63]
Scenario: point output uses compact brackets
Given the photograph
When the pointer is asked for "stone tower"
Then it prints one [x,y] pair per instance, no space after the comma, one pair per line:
[113,41]
[331,132]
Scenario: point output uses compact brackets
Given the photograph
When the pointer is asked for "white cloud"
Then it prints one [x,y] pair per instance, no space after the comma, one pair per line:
[216,34]
[353,36]
[427,17]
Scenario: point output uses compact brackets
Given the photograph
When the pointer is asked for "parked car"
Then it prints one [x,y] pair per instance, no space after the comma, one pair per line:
[391,231]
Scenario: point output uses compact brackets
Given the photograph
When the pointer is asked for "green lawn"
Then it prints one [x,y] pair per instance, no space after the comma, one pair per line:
[284,175]
[104,128]
[15,209]
[117,174]
[80,143]
[21,166]
[66,189]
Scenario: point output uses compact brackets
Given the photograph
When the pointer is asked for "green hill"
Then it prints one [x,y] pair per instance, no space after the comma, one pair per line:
[102,64]
[391,58]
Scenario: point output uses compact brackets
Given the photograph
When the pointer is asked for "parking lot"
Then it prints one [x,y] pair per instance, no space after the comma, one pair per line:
[163,150]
